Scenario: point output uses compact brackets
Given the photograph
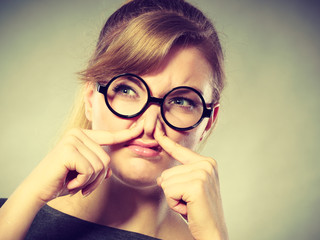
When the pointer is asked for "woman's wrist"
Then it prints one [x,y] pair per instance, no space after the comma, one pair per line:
[17,214]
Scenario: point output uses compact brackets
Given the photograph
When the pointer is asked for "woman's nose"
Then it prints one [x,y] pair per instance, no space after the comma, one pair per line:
[151,115]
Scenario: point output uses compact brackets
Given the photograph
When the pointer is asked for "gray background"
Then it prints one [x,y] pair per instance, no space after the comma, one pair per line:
[267,139]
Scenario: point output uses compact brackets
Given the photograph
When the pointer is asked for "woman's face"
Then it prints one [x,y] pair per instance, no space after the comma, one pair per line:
[140,161]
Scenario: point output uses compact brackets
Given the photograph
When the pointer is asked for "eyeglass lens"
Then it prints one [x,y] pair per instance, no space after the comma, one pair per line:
[128,95]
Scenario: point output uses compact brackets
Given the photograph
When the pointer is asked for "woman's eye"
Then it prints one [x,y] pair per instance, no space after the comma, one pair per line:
[124,90]
[182,102]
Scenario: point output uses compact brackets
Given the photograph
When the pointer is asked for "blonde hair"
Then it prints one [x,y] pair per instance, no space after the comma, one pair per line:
[138,36]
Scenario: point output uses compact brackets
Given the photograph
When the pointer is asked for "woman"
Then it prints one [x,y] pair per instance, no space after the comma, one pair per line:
[128,169]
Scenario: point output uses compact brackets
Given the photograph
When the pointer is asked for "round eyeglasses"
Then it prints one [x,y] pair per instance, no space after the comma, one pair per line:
[127,96]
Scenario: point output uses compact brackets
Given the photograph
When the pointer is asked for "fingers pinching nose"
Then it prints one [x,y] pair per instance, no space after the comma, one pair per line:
[137,124]
[134,124]
[159,181]
[159,130]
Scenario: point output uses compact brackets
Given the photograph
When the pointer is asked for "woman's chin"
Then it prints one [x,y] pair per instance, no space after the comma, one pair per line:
[136,183]
[137,174]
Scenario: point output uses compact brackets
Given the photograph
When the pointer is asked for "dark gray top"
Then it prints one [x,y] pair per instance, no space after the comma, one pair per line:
[50,223]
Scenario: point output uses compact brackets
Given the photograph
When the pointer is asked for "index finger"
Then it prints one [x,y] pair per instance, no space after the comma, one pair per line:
[104,138]
[178,152]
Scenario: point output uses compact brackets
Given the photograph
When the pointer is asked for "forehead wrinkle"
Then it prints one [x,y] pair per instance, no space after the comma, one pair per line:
[205,92]
[199,74]
[157,90]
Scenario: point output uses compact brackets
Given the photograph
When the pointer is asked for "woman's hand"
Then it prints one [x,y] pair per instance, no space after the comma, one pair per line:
[77,163]
[192,189]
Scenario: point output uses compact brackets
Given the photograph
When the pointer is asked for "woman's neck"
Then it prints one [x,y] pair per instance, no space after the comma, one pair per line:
[117,205]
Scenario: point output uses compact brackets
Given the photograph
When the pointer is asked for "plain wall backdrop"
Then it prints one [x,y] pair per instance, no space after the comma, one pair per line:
[267,138]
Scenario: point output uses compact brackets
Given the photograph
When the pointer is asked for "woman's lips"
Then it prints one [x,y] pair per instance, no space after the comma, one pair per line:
[144,149]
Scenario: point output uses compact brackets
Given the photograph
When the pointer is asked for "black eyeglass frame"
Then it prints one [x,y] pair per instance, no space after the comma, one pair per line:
[207,112]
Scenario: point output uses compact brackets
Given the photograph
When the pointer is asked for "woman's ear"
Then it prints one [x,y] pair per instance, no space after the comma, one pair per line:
[88,98]
[212,121]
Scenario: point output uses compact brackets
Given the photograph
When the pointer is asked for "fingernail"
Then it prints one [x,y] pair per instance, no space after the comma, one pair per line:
[137,123]
[133,125]
[159,131]
[158,124]
[109,173]
[86,193]
[141,121]
[72,192]
[159,181]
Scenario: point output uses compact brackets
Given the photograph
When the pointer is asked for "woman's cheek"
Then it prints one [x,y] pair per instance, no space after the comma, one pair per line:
[104,119]
[189,139]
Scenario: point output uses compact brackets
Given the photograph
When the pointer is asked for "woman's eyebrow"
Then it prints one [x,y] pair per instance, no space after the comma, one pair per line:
[196,88]
[199,90]
[135,80]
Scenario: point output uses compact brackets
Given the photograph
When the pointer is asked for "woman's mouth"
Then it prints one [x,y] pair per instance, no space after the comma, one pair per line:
[144,149]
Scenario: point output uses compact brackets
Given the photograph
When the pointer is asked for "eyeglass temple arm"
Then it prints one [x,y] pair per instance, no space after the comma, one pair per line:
[207,112]
[101,89]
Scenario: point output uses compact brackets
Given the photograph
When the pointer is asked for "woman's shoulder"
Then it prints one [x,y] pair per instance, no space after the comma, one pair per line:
[50,223]
[2,201]
[53,224]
